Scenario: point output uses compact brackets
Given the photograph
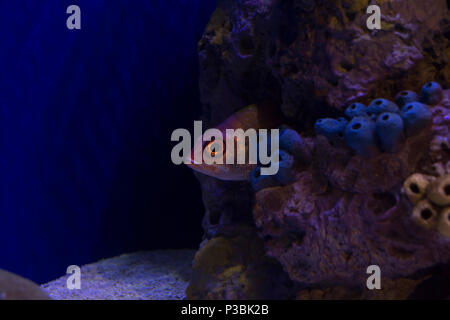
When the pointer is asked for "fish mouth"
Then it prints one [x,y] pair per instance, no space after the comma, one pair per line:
[214,171]
[199,167]
[191,163]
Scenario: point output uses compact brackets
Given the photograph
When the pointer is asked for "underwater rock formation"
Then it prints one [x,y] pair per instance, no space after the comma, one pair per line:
[345,210]
[415,187]
[444,222]
[431,199]
[236,268]
[13,287]
[321,58]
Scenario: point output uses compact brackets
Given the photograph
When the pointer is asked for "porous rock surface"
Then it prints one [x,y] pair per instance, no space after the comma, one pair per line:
[241,263]
[314,56]
[344,212]
[358,217]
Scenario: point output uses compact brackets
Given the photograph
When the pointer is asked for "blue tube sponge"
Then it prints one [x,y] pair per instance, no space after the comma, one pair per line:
[380,105]
[389,129]
[260,182]
[355,110]
[406,97]
[291,142]
[373,117]
[332,129]
[360,136]
[286,172]
[431,93]
[343,122]
[416,116]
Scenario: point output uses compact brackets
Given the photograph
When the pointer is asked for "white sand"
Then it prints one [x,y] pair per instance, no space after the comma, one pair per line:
[155,275]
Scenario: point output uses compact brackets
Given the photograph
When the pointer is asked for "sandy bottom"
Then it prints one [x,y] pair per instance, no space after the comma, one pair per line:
[154,275]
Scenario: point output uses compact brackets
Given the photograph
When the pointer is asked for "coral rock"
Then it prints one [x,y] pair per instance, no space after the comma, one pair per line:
[415,187]
[439,191]
[13,287]
[444,223]
[425,215]
[344,212]
[236,268]
[286,171]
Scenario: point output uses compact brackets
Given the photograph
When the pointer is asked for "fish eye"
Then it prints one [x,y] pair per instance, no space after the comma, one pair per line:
[215,148]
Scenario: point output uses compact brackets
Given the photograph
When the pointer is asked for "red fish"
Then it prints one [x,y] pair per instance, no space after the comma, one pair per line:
[264,116]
